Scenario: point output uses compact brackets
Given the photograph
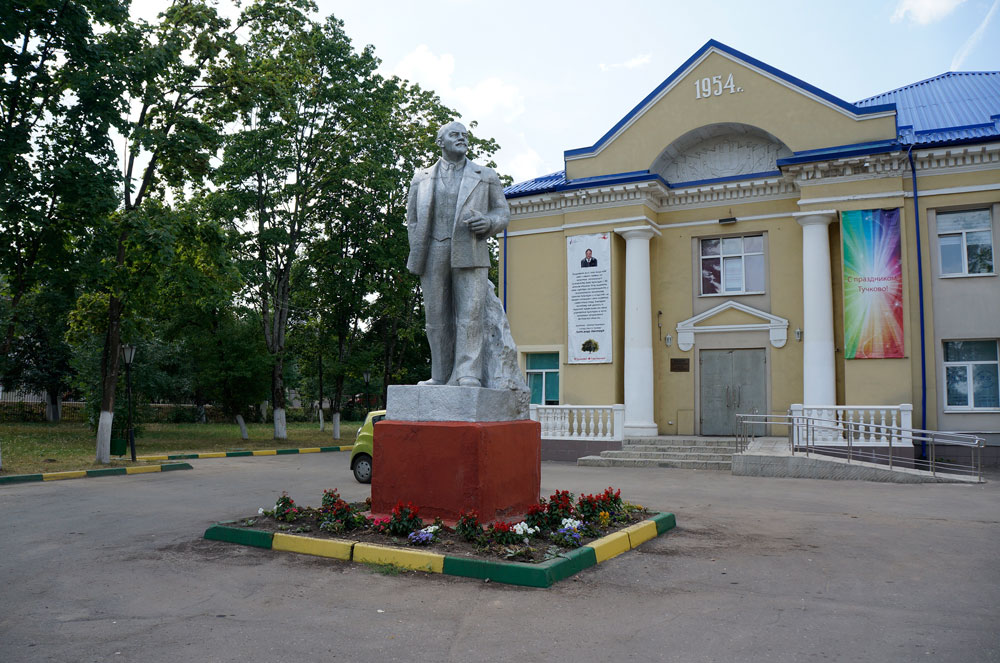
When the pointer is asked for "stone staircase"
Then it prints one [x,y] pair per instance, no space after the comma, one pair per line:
[694,453]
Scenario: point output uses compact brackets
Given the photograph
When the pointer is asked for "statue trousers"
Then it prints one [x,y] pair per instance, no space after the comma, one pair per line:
[454,300]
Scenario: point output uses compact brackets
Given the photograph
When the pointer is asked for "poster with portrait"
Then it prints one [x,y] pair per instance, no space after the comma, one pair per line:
[588,259]
[873,284]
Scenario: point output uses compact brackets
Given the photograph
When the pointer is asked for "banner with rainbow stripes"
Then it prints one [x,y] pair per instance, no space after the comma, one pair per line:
[873,284]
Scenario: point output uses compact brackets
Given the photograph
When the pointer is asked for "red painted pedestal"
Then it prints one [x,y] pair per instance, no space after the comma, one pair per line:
[447,467]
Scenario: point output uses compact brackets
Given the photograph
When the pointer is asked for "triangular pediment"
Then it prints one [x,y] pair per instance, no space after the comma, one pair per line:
[732,316]
[720,86]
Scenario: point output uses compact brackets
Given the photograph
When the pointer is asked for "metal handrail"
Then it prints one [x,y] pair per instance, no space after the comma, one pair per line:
[802,437]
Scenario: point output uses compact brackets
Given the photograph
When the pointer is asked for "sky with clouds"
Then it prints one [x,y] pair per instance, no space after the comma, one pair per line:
[544,76]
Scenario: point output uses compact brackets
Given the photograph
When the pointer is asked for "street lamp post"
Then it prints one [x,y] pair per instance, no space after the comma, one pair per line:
[128,354]
[367,375]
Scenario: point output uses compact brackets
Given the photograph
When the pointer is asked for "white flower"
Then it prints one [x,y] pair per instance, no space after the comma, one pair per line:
[260,511]
[522,529]
[430,529]
[570,523]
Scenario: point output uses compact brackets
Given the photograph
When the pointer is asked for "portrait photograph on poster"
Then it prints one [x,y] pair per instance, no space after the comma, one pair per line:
[588,260]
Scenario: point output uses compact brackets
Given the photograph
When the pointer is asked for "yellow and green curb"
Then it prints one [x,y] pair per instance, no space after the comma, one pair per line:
[258,452]
[544,574]
[103,472]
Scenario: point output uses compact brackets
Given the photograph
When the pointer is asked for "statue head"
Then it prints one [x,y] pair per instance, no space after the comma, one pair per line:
[453,139]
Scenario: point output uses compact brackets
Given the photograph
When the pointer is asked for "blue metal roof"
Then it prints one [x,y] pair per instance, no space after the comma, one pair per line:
[957,106]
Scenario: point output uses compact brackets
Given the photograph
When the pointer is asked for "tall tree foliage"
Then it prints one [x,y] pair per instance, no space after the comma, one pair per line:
[60,95]
[172,86]
[305,95]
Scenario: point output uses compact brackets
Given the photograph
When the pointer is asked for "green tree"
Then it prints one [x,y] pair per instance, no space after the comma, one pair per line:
[305,96]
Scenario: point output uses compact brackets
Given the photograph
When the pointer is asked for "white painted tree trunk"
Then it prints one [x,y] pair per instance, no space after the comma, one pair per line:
[322,424]
[243,427]
[104,437]
[280,430]
[53,411]
[263,412]
[335,424]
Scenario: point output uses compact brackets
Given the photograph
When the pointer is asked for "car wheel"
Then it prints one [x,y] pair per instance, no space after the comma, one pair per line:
[363,468]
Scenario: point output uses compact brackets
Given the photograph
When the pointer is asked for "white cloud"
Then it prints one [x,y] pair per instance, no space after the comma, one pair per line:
[924,11]
[637,61]
[974,38]
[525,165]
[480,100]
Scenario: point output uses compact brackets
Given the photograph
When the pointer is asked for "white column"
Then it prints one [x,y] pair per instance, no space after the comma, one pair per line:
[638,333]
[819,377]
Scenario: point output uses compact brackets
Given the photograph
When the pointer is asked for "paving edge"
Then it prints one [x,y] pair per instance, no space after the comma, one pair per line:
[543,574]
[257,452]
[103,472]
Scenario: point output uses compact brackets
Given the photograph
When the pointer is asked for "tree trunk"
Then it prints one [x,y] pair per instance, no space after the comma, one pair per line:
[53,405]
[335,424]
[243,427]
[109,380]
[278,398]
[322,425]
[263,412]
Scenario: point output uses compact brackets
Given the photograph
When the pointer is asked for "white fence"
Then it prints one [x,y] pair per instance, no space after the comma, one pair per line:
[580,422]
[872,425]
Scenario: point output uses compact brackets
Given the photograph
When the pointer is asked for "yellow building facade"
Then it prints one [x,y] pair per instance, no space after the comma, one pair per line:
[721,203]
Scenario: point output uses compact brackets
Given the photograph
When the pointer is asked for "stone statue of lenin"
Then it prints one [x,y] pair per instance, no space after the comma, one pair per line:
[452,208]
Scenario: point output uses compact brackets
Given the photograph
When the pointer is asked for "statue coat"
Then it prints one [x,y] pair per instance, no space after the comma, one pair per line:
[480,191]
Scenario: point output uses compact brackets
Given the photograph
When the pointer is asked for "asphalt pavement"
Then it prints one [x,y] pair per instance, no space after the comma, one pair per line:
[115,569]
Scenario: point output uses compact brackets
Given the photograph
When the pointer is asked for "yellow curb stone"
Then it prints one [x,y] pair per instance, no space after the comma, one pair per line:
[610,546]
[310,450]
[142,469]
[371,553]
[213,454]
[153,458]
[319,547]
[641,532]
[57,476]
[264,452]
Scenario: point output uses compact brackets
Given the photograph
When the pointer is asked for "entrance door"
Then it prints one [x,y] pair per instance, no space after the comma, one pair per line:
[732,382]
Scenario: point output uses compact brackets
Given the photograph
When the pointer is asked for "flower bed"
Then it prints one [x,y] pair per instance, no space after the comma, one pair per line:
[551,528]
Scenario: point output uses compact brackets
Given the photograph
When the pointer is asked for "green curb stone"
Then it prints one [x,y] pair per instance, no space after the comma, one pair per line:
[329,448]
[234,454]
[574,562]
[664,522]
[183,456]
[167,467]
[511,573]
[108,471]
[283,452]
[242,536]
[21,478]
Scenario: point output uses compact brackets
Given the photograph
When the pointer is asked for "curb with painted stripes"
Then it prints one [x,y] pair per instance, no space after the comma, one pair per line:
[258,452]
[103,472]
[543,574]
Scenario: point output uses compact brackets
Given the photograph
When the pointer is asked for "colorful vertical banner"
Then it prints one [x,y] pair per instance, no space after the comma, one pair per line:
[873,284]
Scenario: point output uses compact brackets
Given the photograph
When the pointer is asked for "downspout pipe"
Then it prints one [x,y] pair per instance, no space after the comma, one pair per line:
[505,269]
[920,299]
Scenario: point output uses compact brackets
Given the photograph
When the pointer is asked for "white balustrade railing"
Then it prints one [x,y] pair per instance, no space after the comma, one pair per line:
[870,425]
[580,422]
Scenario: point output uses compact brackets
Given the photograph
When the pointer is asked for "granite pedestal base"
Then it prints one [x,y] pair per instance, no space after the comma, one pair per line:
[449,467]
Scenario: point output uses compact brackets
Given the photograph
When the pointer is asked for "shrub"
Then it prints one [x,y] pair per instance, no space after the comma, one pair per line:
[468,526]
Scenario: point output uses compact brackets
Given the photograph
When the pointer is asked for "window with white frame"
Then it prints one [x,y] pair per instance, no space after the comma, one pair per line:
[972,374]
[543,377]
[965,239]
[732,265]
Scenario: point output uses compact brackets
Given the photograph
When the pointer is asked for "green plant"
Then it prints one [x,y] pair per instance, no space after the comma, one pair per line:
[560,506]
[404,519]
[468,526]
[285,509]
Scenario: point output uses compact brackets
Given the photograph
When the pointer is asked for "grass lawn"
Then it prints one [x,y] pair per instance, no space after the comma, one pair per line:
[32,448]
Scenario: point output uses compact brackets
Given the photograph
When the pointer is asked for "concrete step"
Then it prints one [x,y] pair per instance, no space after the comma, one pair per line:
[599,461]
[683,440]
[679,448]
[659,455]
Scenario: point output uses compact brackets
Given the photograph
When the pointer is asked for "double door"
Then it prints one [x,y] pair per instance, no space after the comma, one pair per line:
[732,382]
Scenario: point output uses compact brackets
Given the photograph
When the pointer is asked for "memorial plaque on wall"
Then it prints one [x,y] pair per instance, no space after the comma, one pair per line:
[588,260]
[680,365]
